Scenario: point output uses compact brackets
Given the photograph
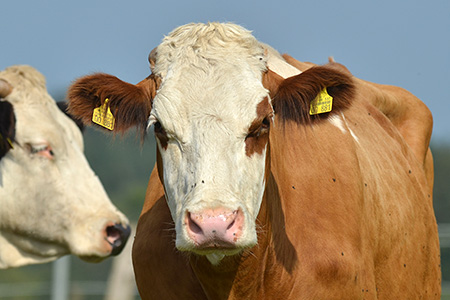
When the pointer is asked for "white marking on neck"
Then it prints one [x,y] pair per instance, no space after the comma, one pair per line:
[351,131]
[342,124]
[336,121]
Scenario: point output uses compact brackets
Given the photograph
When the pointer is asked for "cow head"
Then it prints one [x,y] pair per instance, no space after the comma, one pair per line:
[51,202]
[209,102]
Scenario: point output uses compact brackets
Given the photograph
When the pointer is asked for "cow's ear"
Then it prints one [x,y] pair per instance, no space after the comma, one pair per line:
[294,98]
[130,104]
[63,106]
[7,127]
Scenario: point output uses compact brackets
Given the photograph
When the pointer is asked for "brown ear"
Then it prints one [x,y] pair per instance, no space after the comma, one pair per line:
[130,104]
[291,97]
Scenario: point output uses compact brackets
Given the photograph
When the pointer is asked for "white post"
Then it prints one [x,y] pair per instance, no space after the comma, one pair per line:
[60,278]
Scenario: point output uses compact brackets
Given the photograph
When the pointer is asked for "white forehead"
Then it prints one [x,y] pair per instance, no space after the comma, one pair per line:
[210,70]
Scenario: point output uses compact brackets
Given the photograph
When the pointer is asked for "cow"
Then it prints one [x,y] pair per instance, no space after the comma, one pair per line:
[51,202]
[274,179]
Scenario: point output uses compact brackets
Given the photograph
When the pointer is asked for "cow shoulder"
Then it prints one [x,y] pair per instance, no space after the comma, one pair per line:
[407,113]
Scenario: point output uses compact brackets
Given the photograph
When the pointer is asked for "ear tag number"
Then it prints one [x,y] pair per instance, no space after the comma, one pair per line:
[323,103]
[102,116]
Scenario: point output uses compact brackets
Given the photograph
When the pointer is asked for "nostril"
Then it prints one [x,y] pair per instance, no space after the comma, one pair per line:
[112,235]
[193,226]
[117,236]
[231,224]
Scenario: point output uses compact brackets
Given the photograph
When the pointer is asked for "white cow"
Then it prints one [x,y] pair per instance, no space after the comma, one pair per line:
[51,202]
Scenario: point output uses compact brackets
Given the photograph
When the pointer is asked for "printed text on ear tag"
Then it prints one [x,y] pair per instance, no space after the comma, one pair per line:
[102,116]
[321,104]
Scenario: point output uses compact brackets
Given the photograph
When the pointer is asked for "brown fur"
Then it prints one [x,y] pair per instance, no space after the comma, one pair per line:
[406,112]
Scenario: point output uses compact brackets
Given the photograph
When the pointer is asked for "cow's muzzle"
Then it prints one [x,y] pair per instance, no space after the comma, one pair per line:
[117,236]
[214,229]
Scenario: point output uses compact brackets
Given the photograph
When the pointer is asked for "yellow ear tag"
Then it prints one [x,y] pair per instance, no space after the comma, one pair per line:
[8,140]
[323,103]
[10,143]
[102,116]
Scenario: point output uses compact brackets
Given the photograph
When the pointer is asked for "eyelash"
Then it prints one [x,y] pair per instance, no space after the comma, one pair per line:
[43,150]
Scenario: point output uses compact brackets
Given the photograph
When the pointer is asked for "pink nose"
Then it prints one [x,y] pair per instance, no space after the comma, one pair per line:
[215,228]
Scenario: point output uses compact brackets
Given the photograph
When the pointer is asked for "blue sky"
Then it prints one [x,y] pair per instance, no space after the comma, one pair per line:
[403,43]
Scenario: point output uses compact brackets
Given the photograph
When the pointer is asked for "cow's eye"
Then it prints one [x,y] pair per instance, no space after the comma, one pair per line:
[159,130]
[160,134]
[266,123]
[43,150]
[261,129]
[264,128]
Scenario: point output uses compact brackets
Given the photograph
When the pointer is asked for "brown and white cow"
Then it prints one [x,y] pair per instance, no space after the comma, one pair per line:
[51,202]
[252,197]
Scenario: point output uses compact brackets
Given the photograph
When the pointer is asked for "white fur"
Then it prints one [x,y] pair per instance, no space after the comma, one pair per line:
[215,258]
[211,85]
[349,129]
[48,207]
[337,121]
[340,122]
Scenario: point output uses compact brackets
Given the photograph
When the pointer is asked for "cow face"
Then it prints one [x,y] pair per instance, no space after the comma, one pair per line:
[211,119]
[52,203]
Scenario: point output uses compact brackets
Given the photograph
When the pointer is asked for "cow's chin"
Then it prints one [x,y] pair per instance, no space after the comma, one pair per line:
[215,252]
[93,258]
[96,255]
[215,256]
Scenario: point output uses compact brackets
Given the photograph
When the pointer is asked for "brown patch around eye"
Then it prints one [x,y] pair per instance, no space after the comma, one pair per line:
[258,132]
